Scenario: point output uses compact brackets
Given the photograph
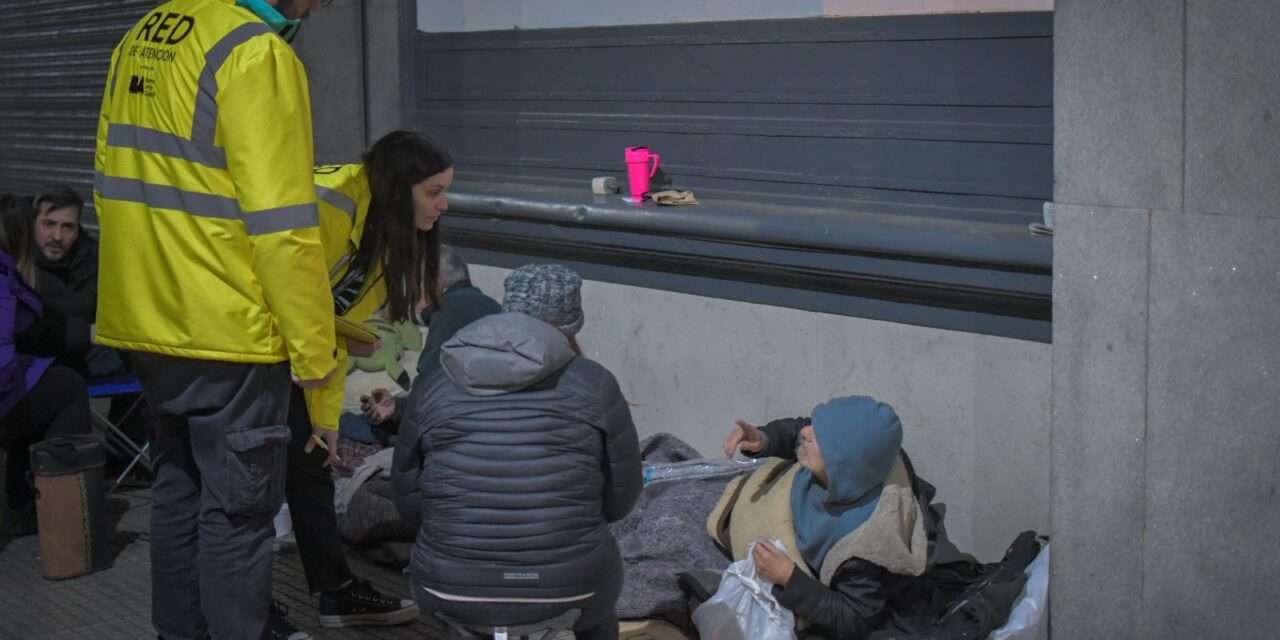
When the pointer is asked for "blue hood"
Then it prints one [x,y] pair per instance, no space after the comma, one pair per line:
[860,439]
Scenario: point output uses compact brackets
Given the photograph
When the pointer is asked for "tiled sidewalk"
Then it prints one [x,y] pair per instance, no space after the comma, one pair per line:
[115,604]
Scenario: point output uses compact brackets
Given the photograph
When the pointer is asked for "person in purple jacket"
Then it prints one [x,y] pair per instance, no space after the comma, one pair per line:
[37,400]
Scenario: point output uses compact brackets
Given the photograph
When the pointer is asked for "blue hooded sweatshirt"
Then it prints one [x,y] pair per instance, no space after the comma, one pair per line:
[859,439]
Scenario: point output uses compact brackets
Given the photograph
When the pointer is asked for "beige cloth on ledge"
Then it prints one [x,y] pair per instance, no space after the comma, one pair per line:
[673,198]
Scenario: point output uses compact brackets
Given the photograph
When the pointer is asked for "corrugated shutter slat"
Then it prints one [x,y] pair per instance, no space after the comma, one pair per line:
[53,67]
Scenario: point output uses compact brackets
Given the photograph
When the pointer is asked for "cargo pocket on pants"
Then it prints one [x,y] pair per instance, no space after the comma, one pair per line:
[254,470]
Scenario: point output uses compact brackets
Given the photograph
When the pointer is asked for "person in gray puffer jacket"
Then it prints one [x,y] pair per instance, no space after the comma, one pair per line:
[515,455]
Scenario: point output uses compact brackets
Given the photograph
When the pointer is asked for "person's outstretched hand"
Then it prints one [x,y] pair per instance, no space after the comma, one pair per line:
[745,437]
[379,406]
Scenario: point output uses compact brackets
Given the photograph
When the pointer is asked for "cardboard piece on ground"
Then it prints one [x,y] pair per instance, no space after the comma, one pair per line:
[649,630]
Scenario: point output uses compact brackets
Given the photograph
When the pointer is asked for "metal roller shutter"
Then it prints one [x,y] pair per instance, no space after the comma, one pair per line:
[53,66]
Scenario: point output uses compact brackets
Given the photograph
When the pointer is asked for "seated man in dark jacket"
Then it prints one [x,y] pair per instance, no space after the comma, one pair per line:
[67,278]
[516,454]
[854,518]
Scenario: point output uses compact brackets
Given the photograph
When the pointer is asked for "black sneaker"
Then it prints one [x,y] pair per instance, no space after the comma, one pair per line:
[359,604]
[280,627]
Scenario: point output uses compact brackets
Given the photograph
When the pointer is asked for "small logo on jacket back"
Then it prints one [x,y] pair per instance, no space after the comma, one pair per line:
[142,86]
[526,575]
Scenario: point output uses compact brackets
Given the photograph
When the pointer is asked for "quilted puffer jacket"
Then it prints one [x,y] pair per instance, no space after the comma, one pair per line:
[514,457]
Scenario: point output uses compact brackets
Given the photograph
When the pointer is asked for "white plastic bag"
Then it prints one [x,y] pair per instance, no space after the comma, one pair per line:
[743,607]
[1027,620]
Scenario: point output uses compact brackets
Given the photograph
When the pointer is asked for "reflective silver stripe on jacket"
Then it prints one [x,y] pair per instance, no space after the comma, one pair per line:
[339,200]
[296,216]
[159,196]
[205,119]
[143,139]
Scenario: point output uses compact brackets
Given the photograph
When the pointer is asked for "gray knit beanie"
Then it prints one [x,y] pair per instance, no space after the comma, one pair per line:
[548,292]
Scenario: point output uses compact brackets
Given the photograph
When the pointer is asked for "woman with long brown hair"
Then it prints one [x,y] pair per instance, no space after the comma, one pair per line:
[378,223]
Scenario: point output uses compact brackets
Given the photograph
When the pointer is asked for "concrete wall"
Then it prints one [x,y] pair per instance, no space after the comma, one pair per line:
[1166,357]
[484,15]
[975,408]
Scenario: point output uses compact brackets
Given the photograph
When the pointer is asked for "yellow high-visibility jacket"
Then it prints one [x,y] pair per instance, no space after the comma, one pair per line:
[344,198]
[210,243]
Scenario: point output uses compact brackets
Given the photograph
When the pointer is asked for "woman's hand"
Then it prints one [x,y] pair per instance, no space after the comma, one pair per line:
[745,437]
[327,439]
[772,564]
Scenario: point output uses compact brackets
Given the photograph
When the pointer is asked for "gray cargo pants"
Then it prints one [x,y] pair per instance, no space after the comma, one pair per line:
[219,452]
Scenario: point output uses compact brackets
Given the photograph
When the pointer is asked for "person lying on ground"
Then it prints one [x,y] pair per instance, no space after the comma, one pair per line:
[853,516]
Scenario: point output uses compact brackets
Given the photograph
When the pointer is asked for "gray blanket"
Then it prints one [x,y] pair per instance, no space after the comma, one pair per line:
[666,534]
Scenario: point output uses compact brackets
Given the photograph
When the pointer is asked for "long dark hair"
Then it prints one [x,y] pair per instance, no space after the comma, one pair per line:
[15,235]
[410,258]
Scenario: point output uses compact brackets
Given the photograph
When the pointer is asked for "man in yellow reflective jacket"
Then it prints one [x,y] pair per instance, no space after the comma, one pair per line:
[214,277]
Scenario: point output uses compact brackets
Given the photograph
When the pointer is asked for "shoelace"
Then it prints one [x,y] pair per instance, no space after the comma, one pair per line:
[363,590]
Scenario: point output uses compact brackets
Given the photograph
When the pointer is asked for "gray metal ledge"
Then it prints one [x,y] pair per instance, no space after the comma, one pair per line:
[970,276]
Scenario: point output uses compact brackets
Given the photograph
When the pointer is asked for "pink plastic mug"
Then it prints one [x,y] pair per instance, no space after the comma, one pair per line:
[639,170]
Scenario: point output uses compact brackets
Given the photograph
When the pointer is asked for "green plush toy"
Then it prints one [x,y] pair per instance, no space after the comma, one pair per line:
[394,339]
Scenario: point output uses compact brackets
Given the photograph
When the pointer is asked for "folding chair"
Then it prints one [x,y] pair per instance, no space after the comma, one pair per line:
[116,440]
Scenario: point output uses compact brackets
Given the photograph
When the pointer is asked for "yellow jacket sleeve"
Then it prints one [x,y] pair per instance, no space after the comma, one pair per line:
[264,119]
[324,404]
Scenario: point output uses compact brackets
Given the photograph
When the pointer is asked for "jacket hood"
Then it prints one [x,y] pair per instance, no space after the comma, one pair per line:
[504,353]
[860,439]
